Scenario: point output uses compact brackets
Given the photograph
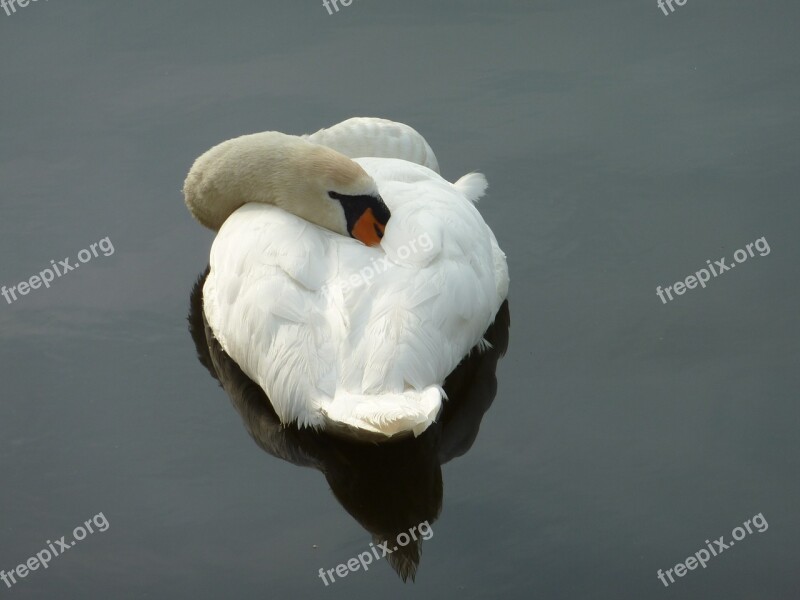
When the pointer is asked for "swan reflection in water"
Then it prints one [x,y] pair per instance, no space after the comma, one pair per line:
[390,487]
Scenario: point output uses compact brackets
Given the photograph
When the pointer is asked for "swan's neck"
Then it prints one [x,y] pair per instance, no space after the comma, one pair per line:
[269,168]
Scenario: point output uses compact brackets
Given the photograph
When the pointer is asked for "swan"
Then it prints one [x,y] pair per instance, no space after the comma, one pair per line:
[347,278]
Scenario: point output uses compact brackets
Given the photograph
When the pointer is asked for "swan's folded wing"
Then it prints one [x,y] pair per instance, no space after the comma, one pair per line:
[431,298]
[414,327]
[262,300]
[364,136]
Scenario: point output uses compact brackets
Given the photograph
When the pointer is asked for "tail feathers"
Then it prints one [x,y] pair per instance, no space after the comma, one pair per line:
[472,185]
[385,415]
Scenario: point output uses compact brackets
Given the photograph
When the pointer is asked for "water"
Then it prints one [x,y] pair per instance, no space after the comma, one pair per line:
[624,148]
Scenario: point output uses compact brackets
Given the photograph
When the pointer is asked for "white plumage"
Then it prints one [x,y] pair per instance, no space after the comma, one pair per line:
[349,337]
[380,138]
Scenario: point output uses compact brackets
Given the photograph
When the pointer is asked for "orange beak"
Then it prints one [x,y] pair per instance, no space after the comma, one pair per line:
[368,229]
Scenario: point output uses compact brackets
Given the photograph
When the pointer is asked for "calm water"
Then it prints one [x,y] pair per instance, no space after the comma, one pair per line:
[624,148]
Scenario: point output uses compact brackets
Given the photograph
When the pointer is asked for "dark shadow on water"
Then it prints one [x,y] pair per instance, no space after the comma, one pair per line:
[390,487]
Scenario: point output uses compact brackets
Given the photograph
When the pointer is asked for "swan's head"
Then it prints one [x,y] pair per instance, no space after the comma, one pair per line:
[342,189]
[315,183]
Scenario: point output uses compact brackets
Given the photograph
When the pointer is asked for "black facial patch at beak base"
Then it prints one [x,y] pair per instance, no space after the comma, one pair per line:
[366,216]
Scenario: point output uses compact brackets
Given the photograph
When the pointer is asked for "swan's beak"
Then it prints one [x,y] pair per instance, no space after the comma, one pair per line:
[366,216]
[368,229]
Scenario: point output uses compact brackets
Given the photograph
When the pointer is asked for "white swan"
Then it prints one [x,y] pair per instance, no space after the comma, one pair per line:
[347,288]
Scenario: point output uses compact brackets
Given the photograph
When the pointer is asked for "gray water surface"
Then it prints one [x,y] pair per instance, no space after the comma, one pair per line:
[624,148]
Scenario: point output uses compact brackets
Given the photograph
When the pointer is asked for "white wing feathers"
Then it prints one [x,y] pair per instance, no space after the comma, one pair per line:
[339,333]
[363,136]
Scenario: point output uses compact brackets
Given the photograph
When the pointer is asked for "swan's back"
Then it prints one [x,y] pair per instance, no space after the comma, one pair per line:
[338,333]
[366,136]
